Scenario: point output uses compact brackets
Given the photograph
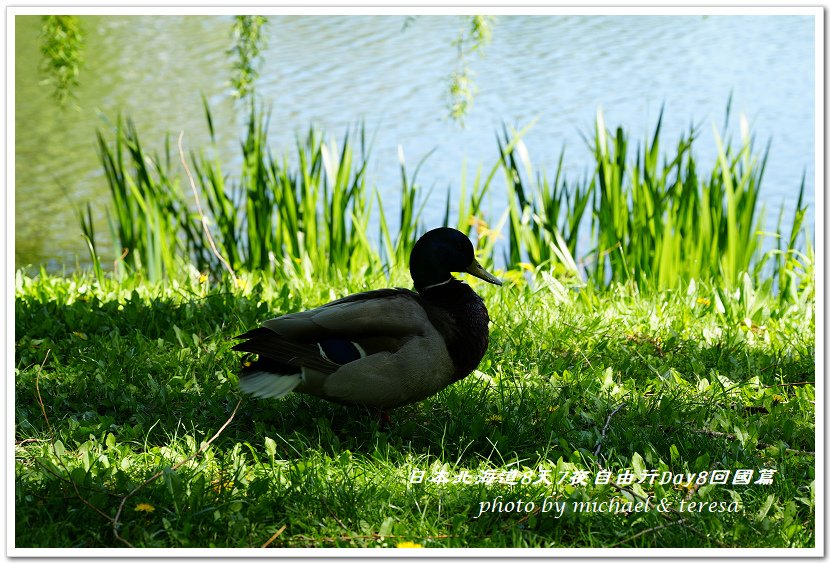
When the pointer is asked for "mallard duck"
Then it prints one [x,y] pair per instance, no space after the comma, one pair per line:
[383,348]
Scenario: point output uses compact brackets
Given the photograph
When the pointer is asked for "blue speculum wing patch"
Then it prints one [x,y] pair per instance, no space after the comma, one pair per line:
[340,350]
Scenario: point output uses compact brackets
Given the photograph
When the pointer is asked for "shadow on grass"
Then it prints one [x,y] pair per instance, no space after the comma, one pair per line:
[151,373]
[126,367]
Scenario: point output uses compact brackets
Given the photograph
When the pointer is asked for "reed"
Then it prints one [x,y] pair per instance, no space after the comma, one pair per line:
[309,216]
[148,207]
[654,218]
[544,217]
[664,223]
[657,220]
[396,249]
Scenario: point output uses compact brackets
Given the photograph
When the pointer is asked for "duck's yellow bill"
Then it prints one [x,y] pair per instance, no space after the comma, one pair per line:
[476,270]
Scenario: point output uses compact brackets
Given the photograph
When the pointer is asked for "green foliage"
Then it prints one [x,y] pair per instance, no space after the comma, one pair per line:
[792,265]
[658,225]
[310,216]
[135,377]
[462,89]
[62,43]
[249,42]
[148,205]
[296,220]
[653,224]
[544,217]
[397,252]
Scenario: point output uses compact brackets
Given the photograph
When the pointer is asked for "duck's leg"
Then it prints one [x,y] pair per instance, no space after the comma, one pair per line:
[385,418]
[381,416]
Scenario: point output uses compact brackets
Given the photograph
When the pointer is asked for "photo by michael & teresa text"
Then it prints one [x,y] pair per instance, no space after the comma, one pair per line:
[557,508]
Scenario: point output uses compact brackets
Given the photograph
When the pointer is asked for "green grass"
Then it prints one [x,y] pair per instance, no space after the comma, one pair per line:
[135,377]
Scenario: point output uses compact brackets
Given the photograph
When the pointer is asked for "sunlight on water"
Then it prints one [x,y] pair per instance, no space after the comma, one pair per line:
[338,71]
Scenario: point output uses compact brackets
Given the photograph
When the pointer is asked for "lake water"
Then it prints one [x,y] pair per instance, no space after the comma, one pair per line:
[334,71]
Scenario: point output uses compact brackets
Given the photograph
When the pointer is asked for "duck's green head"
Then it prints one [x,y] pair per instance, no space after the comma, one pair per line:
[441,251]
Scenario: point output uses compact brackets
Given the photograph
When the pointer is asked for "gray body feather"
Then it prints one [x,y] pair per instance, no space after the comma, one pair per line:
[406,358]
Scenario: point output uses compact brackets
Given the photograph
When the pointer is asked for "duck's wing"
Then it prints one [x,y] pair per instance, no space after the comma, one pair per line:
[268,344]
[384,312]
[419,368]
[339,332]
[376,348]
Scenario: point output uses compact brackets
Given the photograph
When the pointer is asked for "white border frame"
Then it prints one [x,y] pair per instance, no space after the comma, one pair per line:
[433,8]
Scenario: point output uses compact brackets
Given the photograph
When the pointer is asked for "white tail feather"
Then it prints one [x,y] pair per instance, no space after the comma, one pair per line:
[269,385]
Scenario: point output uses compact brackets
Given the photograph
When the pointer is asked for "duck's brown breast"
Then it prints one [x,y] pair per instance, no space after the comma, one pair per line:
[459,314]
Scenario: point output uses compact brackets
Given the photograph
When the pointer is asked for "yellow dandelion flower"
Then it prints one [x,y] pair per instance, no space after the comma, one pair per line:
[494,418]
[219,486]
[241,283]
[703,301]
[203,278]
[144,507]
[408,544]
[690,486]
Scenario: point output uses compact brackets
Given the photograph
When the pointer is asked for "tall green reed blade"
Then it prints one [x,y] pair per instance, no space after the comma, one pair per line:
[469,207]
[387,248]
[540,212]
[516,203]
[348,194]
[361,254]
[336,194]
[222,215]
[557,200]
[519,205]
[611,207]
[740,178]
[121,225]
[223,203]
[259,196]
[311,169]
[787,259]
[88,229]
[147,205]
[87,225]
[410,216]
[689,215]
